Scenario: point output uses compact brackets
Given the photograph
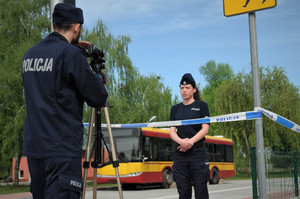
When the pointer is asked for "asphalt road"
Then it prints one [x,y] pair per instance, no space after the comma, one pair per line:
[230,189]
[233,189]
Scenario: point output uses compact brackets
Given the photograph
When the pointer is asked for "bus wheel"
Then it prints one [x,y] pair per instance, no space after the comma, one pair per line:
[215,177]
[167,178]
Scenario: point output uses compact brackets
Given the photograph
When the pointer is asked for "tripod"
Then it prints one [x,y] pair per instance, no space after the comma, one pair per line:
[97,63]
[98,151]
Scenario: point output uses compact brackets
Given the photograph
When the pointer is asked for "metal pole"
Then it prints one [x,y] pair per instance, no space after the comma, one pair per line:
[257,103]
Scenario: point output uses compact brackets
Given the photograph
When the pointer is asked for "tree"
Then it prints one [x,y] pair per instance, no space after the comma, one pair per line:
[214,74]
[235,96]
[23,23]
[278,95]
[135,97]
[282,97]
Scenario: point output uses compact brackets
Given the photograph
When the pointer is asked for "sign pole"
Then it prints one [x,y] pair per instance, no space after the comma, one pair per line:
[257,103]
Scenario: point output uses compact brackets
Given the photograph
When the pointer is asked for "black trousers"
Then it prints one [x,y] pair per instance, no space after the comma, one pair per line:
[189,170]
[55,178]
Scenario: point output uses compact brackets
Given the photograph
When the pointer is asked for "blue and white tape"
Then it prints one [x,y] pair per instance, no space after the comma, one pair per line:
[257,114]
[221,118]
[279,119]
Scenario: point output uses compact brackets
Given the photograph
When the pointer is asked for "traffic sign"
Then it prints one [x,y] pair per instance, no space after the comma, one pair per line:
[235,7]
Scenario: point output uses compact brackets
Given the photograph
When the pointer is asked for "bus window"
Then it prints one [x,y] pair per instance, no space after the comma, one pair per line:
[229,153]
[165,149]
[220,151]
[150,148]
[210,152]
[127,148]
[154,150]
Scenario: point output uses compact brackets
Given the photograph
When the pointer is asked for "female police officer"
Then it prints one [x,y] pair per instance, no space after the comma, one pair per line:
[190,166]
[57,79]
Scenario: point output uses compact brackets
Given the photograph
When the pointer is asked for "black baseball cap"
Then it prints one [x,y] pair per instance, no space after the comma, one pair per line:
[66,13]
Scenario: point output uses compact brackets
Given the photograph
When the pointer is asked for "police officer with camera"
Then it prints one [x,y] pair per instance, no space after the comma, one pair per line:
[57,80]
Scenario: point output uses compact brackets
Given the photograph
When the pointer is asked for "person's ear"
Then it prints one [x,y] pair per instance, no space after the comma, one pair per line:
[76,28]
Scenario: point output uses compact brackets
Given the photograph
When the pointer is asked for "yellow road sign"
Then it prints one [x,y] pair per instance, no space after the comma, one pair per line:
[235,7]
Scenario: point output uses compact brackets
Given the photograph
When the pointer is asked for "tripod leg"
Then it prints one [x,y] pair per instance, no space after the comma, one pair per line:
[95,183]
[113,151]
[88,151]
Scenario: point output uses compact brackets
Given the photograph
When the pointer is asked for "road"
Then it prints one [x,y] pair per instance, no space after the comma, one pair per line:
[233,189]
[230,189]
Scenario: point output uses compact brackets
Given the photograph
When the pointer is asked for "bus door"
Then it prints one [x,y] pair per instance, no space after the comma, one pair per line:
[150,159]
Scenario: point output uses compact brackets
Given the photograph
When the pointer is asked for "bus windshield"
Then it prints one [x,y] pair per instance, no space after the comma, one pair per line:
[127,149]
[127,145]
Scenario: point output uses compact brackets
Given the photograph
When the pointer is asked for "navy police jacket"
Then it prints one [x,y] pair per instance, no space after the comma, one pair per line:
[57,79]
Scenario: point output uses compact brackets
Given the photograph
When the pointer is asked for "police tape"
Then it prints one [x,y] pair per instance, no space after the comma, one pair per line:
[251,115]
[279,119]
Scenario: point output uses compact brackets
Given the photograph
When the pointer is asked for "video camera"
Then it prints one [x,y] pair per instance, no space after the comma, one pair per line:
[97,60]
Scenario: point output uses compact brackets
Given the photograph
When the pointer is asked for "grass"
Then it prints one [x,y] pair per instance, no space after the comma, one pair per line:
[8,189]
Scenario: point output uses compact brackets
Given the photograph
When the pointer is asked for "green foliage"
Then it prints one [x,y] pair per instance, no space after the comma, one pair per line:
[214,74]
[135,98]
[231,97]
[281,159]
[229,93]
[281,97]
[22,24]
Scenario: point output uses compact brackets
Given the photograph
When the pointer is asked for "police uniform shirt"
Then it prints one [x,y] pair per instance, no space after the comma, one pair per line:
[198,109]
[57,79]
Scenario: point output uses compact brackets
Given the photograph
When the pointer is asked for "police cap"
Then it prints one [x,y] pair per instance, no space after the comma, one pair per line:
[67,14]
[187,78]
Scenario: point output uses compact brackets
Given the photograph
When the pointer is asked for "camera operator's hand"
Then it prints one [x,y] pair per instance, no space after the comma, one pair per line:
[84,44]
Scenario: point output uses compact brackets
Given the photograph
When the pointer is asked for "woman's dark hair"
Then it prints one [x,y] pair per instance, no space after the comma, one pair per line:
[197,93]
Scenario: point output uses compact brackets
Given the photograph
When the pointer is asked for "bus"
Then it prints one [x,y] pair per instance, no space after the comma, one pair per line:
[145,157]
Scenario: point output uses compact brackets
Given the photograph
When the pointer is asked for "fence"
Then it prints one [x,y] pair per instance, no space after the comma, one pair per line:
[282,172]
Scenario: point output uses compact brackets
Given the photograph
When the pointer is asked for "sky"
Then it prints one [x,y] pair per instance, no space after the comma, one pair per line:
[173,37]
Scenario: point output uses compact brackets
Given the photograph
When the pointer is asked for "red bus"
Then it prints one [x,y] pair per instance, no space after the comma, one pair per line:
[145,157]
